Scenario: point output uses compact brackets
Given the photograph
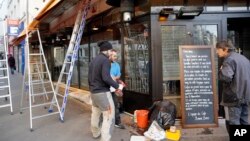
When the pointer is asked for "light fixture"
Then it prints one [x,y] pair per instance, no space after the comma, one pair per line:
[95,28]
[126,16]
[126,7]
[164,13]
[127,10]
[57,38]
[189,12]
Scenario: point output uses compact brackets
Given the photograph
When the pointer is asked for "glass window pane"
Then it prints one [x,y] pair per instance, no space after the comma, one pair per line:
[172,37]
[205,35]
[136,56]
[58,61]
[84,65]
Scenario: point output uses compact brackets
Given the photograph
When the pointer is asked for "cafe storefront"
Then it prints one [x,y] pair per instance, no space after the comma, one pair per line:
[213,24]
[148,45]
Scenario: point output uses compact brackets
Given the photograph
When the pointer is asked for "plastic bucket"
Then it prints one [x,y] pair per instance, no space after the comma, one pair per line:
[142,118]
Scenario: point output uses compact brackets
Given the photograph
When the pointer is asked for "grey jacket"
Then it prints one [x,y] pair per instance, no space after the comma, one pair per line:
[235,75]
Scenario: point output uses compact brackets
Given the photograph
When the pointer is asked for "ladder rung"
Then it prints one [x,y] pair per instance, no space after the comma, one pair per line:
[59,95]
[4,86]
[37,94]
[67,62]
[3,68]
[2,60]
[37,73]
[4,77]
[39,82]
[7,105]
[35,117]
[36,54]
[3,96]
[66,73]
[37,63]
[43,104]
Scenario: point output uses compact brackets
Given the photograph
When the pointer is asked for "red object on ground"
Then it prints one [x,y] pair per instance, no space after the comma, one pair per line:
[142,118]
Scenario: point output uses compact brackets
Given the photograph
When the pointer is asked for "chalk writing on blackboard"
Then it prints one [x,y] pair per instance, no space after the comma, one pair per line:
[197,85]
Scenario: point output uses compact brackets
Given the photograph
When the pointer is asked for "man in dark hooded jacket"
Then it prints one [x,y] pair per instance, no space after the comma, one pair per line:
[12,63]
[235,77]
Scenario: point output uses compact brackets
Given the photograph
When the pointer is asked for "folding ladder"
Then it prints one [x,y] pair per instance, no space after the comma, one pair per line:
[71,54]
[5,91]
[38,82]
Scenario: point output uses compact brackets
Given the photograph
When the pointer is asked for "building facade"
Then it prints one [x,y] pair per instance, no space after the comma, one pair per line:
[148,46]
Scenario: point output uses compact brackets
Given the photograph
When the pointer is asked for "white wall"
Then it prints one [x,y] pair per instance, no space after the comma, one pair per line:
[16,9]
[3,11]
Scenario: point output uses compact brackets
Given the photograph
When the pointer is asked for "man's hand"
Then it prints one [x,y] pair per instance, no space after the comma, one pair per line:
[121,82]
[119,92]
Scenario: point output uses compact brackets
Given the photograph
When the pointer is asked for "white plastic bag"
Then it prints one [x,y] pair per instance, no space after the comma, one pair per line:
[155,132]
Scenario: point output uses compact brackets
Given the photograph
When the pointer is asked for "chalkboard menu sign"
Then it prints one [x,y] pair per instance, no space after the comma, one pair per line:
[198,96]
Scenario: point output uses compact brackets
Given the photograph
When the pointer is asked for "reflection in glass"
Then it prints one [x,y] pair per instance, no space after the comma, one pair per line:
[84,65]
[172,37]
[58,61]
[136,56]
[205,35]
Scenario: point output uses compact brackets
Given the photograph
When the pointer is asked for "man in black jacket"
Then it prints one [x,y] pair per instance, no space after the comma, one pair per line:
[12,63]
[99,83]
[234,75]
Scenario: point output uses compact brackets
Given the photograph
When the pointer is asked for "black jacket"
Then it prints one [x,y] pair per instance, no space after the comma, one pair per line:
[235,75]
[11,61]
[99,75]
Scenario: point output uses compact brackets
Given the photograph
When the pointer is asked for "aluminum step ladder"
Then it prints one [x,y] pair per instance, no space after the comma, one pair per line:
[5,90]
[71,54]
[37,80]
[38,83]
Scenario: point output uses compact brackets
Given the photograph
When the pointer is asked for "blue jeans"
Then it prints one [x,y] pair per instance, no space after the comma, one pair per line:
[237,115]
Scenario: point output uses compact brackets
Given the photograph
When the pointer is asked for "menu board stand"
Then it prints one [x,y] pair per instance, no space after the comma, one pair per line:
[198,87]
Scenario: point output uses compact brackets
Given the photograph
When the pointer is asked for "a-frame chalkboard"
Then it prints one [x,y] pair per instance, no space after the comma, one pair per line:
[198,87]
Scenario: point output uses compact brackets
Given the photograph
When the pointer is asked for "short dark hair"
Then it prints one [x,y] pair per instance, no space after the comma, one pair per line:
[225,44]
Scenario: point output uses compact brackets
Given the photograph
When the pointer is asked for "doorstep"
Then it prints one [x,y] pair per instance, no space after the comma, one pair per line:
[79,94]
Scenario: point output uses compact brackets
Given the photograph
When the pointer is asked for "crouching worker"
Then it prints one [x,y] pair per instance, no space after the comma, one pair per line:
[102,103]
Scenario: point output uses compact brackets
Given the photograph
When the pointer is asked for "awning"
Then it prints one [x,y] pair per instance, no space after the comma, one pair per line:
[36,21]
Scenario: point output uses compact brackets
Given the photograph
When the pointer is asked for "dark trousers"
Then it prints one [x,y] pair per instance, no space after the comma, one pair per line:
[12,70]
[117,112]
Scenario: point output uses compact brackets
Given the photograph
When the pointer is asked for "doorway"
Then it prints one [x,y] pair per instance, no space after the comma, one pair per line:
[238,31]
